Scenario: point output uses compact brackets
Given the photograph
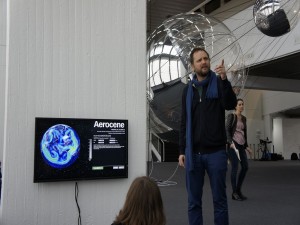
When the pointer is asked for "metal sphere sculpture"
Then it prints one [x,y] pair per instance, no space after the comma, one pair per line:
[276,17]
[168,49]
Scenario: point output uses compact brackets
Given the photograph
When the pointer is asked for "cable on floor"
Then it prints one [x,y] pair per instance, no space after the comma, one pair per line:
[163,183]
[77,204]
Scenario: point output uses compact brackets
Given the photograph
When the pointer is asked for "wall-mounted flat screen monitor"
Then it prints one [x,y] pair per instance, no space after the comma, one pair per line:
[80,149]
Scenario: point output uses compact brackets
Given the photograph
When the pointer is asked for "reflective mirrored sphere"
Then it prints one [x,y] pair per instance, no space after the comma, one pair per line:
[168,49]
[276,17]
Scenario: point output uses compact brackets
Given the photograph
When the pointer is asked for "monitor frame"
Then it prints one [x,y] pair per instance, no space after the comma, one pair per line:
[101,154]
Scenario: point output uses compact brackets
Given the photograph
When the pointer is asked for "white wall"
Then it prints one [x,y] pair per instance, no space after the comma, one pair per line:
[253,112]
[258,47]
[83,59]
[291,137]
[2,69]
[283,132]
[277,101]
[278,136]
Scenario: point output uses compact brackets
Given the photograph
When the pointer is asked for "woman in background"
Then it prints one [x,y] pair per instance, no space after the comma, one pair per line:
[236,131]
[143,204]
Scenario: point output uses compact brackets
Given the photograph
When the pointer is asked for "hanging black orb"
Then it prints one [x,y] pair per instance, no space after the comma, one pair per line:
[275,17]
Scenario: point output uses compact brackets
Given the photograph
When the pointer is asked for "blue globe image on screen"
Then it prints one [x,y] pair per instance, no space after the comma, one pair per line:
[60,146]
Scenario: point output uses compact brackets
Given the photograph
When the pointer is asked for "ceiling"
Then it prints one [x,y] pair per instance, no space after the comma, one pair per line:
[281,74]
[160,10]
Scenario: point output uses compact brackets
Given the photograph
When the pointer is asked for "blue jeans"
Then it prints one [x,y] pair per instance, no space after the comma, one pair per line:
[215,164]
[236,183]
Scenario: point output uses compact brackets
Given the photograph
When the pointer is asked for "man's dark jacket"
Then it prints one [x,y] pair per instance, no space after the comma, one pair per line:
[208,118]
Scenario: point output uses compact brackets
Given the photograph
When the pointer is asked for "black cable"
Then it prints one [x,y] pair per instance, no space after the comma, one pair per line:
[76,199]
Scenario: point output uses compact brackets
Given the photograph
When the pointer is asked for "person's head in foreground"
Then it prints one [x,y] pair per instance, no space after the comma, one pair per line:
[143,204]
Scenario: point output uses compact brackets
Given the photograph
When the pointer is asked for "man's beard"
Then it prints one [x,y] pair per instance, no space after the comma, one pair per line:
[201,74]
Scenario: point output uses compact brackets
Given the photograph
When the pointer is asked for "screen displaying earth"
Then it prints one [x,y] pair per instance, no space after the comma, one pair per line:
[60,146]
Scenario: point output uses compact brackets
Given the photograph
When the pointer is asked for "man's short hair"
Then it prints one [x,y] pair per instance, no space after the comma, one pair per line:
[196,50]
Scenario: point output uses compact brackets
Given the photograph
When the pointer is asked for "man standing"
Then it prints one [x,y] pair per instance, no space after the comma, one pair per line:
[203,137]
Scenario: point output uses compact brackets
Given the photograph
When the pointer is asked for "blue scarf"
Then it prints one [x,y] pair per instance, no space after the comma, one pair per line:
[211,93]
